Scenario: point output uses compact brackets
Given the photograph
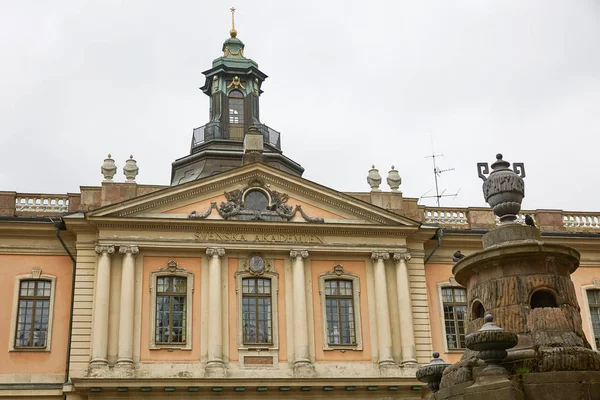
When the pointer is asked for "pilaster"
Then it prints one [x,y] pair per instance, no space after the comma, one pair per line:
[215,366]
[125,349]
[301,353]
[384,331]
[101,307]
[407,336]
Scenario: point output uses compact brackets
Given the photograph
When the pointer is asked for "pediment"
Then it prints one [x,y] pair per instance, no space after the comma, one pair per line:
[254,192]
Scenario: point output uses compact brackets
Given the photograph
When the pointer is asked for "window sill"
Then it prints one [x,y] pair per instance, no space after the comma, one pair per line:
[259,347]
[29,350]
[344,347]
[170,347]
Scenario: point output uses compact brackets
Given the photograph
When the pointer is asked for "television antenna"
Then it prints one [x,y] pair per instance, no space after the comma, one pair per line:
[437,172]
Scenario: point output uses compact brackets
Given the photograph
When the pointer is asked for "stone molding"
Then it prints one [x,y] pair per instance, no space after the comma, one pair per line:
[215,252]
[298,253]
[103,248]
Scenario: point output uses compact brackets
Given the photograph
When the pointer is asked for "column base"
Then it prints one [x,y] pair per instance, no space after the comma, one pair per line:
[215,369]
[125,363]
[99,363]
[303,369]
[408,363]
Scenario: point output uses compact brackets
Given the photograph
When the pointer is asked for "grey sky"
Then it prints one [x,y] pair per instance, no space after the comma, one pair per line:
[350,84]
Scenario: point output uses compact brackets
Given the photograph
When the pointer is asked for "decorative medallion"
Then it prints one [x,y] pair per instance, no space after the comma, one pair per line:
[256,265]
[172,267]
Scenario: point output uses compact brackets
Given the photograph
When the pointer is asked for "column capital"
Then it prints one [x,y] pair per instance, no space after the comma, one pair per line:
[298,253]
[380,255]
[215,252]
[105,248]
[131,249]
[404,256]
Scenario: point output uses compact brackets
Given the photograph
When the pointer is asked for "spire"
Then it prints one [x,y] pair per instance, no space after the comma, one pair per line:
[233,32]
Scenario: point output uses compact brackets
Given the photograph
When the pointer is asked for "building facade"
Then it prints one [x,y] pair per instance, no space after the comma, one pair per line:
[241,278]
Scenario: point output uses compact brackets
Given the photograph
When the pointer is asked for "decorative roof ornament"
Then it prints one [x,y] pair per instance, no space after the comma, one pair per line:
[131,169]
[504,188]
[374,179]
[394,180]
[108,169]
[233,32]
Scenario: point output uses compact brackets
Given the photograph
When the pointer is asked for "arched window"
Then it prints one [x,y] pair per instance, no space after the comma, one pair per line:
[236,107]
[543,298]
[477,310]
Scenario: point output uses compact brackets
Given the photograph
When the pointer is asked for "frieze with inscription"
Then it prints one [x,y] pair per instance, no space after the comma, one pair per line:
[212,236]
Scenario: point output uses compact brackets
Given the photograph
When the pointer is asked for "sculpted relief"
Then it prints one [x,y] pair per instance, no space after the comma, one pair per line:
[255,202]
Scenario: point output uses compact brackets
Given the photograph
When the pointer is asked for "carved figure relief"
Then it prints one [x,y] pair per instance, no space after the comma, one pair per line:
[255,202]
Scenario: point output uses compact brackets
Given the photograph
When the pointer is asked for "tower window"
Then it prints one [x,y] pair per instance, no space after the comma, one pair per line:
[455,310]
[236,107]
[594,302]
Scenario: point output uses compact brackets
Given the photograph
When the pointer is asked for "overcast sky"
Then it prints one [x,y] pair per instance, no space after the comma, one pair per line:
[350,84]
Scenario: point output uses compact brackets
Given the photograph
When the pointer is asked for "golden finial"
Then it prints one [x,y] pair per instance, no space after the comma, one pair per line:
[233,32]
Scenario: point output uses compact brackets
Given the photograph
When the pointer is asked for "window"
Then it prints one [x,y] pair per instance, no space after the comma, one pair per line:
[236,107]
[171,307]
[542,298]
[593,297]
[257,310]
[171,301]
[33,303]
[256,200]
[454,303]
[340,307]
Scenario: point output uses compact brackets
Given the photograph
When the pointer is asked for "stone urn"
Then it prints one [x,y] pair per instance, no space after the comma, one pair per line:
[431,374]
[504,188]
[374,179]
[108,169]
[131,169]
[394,180]
[491,342]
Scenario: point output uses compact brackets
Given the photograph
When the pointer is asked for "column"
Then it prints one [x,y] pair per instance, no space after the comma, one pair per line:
[384,331]
[215,310]
[301,357]
[407,335]
[125,349]
[101,302]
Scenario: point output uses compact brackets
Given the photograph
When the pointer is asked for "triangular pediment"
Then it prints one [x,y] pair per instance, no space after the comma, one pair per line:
[276,196]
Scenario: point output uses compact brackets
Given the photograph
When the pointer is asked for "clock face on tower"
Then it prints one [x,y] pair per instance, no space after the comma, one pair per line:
[256,200]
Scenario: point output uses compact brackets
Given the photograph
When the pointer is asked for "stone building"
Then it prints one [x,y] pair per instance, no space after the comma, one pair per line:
[241,278]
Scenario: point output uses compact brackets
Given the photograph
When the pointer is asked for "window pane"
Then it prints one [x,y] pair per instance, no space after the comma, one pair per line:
[33,313]
[339,312]
[455,310]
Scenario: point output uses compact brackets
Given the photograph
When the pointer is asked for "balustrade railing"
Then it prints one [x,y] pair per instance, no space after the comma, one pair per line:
[213,130]
[581,220]
[41,203]
[446,216]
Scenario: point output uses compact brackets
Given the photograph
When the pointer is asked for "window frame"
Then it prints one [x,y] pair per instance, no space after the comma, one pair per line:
[446,285]
[240,111]
[35,275]
[244,271]
[586,305]
[337,274]
[257,296]
[175,271]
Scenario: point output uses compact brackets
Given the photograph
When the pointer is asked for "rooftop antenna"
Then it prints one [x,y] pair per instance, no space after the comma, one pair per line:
[437,171]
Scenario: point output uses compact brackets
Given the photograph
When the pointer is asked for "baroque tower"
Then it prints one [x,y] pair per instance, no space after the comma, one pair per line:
[233,85]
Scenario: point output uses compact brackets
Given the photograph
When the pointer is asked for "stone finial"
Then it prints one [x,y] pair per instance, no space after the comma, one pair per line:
[131,169]
[504,188]
[374,179]
[491,342]
[431,374]
[394,180]
[108,169]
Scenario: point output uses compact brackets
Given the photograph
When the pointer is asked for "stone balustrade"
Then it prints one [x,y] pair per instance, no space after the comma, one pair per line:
[581,220]
[41,204]
[446,216]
